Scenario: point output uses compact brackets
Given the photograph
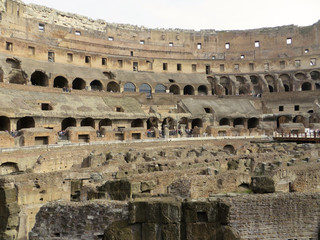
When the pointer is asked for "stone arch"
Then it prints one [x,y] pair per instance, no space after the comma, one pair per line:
[269,78]
[60,82]
[160,88]
[68,122]
[39,78]
[306,86]
[229,149]
[282,119]
[105,122]
[202,90]
[137,123]
[79,84]
[197,123]
[188,90]
[253,122]
[287,83]
[238,121]
[87,122]
[4,123]
[315,75]
[226,83]
[301,76]
[8,167]
[298,119]
[152,122]
[25,122]
[145,88]
[113,87]
[168,121]
[96,85]
[224,121]
[244,89]
[175,89]
[129,87]
[184,120]
[256,84]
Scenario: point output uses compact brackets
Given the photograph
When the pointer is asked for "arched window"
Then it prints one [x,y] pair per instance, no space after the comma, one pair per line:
[270,88]
[87,122]
[60,82]
[39,78]
[96,85]
[286,88]
[113,87]
[129,87]
[282,119]
[152,122]
[174,89]
[145,88]
[68,122]
[188,90]
[25,122]
[306,86]
[160,88]
[229,149]
[202,90]
[78,83]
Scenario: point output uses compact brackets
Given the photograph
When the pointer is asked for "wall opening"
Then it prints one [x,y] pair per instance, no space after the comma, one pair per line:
[145,88]
[105,122]
[60,82]
[224,122]
[68,122]
[174,89]
[113,87]
[4,123]
[96,85]
[306,86]
[160,88]
[238,121]
[39,78]
[79,84]
[87,122]
[137,123]
[25,122]
[197,123]
[202,90]
[129,87]
[188,90]
[253,122]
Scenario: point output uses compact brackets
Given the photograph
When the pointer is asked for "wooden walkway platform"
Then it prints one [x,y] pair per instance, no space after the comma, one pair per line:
[312,137]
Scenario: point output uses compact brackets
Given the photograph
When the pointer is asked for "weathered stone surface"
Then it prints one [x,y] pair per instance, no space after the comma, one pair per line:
[262,184]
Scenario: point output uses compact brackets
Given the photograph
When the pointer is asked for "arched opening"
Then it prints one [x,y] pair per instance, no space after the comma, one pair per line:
[270,88]
[152,123]
[174,89]
[105,122]
[96,85]
[39,78]
[238,121]
[68,122]
[315,75]
[202,90]
[169,122]
[253,122]
[4,123]
[306,86]
[8,167]
[79,84]
[129,87]
[87,122]
[300,76]
[244,89]
[25,122]
[254,79]
[184,121]
[229,149]
[298,119]
[188,90]
[286,88]
[137,123]
[197,123]
[145,88]
[113,87]
[160,88]
[60,82]
[224,121]
[317,86]
[282,119]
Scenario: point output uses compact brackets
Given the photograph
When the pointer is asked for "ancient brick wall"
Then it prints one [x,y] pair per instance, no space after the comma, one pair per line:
[275,216]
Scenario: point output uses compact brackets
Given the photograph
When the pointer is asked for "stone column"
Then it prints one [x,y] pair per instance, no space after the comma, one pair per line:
[166,131]
[183,130]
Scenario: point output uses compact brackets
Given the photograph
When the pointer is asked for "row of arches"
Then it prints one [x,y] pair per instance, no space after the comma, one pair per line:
[39,78]
[251,122]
